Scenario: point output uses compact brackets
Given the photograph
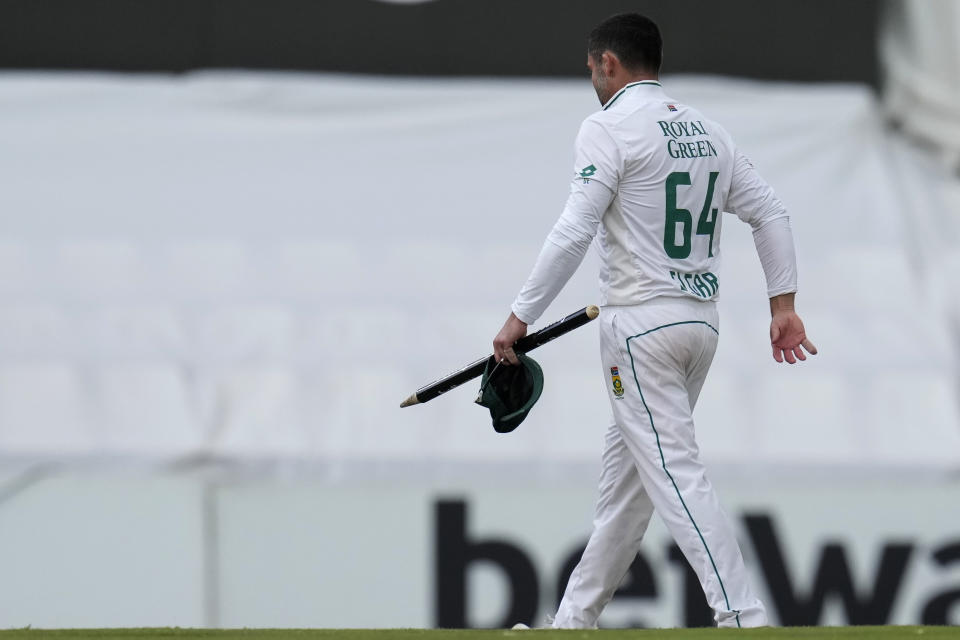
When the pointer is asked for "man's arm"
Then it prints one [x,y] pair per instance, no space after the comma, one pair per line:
[599,164]
[754,202]
[559,258]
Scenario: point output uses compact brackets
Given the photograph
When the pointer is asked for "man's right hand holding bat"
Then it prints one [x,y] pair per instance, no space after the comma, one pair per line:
[513,329]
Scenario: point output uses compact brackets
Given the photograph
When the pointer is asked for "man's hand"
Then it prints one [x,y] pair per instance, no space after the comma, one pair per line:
[787,334]
[513,329]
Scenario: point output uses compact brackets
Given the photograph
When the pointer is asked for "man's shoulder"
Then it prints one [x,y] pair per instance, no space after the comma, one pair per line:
[600,118]
[599,126]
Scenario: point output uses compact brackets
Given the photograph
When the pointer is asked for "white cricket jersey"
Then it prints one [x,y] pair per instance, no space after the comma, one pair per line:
[652,178]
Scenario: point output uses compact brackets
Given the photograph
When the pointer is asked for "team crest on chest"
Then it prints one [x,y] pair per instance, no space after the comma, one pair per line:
[617,382]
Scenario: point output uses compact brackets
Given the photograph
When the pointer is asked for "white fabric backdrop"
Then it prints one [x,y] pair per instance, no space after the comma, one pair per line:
[921,60]
[260,267]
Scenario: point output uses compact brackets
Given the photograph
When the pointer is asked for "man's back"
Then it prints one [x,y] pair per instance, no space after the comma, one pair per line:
[670,169]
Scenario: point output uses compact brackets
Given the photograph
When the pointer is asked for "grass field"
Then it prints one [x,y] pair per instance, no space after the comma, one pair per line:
[788,633]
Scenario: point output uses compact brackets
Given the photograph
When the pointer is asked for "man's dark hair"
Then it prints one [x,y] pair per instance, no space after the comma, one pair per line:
[633,38]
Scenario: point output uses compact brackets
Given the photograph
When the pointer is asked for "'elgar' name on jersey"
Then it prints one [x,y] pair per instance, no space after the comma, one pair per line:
[682,149]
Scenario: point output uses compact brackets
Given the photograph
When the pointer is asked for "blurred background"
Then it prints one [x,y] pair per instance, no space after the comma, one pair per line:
[234,235]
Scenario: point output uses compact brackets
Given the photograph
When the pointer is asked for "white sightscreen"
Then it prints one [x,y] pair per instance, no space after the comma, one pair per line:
[261,267]
[921,59]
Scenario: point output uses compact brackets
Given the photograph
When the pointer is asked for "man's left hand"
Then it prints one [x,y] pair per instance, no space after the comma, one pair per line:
[788,337]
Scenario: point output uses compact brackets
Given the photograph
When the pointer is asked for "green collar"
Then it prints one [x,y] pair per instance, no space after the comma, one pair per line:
[625,87]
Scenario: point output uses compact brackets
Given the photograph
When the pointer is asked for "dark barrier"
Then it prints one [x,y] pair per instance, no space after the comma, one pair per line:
[867,599]
[817,40]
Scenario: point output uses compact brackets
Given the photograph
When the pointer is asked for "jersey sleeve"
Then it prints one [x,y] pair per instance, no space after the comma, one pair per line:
[599,164]
[750,197]
[598,156]
[754,202]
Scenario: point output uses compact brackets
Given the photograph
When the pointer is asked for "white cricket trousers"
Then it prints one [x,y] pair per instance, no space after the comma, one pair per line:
[661,352]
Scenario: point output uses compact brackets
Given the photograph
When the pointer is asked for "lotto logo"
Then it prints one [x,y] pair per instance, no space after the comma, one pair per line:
[587,171]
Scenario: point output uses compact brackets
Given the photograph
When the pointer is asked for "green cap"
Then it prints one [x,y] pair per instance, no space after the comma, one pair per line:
[510,391]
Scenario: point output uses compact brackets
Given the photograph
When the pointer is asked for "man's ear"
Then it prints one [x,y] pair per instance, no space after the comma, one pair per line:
[611,63]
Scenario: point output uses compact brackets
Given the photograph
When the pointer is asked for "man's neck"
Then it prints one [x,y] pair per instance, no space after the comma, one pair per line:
[615,88]
[640,77]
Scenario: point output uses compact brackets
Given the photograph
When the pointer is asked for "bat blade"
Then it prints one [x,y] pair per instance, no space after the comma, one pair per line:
[523,345]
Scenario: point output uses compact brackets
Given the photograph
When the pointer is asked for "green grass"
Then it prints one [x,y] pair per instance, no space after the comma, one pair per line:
[788,633]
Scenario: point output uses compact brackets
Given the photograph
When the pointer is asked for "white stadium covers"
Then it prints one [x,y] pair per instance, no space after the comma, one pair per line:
[259,268]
